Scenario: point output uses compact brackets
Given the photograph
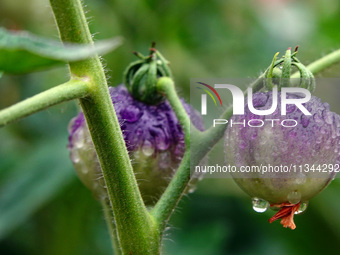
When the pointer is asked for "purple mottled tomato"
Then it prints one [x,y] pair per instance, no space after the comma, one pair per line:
[289,158]
[153,137]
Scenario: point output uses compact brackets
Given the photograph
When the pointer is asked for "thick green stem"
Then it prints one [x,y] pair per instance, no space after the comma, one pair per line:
[64,92]
[137,231]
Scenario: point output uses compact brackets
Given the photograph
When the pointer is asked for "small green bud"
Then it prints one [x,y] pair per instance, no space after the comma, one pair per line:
[141,76]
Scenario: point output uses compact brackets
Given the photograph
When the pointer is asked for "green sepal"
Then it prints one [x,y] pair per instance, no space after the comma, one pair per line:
[141,76]
[279,71]
[269,73]
[307,80]
[138,86]
[286,67]
[130,71]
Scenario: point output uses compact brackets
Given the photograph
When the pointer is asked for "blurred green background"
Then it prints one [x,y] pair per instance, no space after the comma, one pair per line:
[44,209]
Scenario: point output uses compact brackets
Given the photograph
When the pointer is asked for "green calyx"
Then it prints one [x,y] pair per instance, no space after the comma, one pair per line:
[141,76]
[279,72]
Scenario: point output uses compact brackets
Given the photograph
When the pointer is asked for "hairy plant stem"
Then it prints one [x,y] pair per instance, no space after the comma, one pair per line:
[137,231]
[70,90]
[322,63]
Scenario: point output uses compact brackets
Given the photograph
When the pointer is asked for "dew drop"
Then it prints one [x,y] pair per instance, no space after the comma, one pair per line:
[294,197]
[78,141]
[259,205]
[75,156]
[302,208]
[147,148]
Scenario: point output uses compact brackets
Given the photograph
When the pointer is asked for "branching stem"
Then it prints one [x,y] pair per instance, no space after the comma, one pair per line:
[64,92]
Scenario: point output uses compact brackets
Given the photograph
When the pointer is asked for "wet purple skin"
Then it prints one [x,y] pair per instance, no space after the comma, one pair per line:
[153,137]
[139,122]
[315,140]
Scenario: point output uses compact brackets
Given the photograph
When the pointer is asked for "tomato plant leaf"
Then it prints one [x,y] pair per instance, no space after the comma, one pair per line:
[22,52]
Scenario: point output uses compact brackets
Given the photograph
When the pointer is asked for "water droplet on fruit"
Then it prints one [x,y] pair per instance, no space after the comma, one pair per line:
[259,205]
[75,156]
[294,197]
[78,140]
[302,208]
[147,148]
